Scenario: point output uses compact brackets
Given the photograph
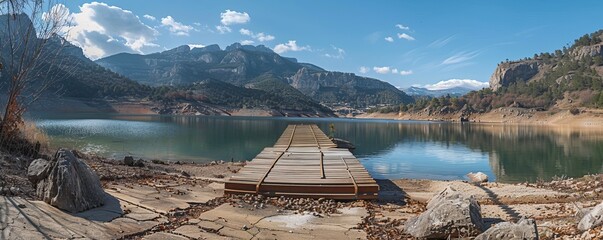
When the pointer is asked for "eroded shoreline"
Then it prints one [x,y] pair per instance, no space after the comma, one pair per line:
[186,200]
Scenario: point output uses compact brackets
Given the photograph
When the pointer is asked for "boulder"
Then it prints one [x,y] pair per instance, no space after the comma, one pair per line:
[478,177]
[37,170]
[66,183]
[592,219]
[524,229]
[449,214]
[447,194]
[128,161]
[139,163]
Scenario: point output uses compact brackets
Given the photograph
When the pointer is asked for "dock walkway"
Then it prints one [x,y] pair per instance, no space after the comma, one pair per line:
[304,163]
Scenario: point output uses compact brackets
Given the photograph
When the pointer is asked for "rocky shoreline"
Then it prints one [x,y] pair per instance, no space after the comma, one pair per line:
[158,200]
[506,115]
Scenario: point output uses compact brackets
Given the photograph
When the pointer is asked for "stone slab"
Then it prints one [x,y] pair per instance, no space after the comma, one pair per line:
[164,236]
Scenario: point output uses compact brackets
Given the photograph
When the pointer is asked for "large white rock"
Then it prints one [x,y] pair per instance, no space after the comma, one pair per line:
[66,183]
[449,214]
[478,177]
[592,219]
[525,229]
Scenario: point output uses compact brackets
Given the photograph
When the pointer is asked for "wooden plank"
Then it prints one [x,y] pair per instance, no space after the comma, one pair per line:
[304,163]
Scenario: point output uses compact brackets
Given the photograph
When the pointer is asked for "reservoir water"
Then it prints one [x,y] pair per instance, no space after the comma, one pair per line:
[387,148]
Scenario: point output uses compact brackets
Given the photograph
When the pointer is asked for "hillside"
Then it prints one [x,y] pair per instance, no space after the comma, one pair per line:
[266,93]
[242,65]
[73,75]
[569,79]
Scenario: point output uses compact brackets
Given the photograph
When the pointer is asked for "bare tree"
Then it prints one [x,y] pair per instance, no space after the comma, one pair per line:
[28,27]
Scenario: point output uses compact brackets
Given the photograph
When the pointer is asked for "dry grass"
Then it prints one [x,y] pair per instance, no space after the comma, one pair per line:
[33,134]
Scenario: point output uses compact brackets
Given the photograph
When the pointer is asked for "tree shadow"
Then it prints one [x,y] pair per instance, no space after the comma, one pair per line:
[391,193]
[25,216]
[514,215]
[96,216]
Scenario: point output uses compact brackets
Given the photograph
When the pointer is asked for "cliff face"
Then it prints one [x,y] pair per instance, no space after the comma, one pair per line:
[583,51]
[510,72]
[304,82]
[337,87]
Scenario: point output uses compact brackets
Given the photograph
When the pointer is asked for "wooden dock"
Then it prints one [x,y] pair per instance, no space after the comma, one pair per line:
[304,163]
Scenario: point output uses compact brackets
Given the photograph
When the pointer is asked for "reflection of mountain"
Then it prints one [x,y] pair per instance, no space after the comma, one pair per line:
[517,153]
[529,153]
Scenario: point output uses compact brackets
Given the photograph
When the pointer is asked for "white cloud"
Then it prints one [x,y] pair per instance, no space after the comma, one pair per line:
[223,29]
[245,32]
[230,17]
[460,57]
[147,16]
[405,36]
[405,72]
[176,27]
[387,70]
[402,27]
[389,39]
[452,83]
[363,69]
[339,53]
[247,42]
[102,30]
[196,46]
[290,46]
[382,70]
[440,42]
[262,37]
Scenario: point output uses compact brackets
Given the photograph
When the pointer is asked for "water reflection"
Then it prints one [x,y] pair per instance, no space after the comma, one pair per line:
[388,149]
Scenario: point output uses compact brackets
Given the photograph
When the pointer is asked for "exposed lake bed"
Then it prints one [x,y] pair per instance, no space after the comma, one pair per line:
[159,201]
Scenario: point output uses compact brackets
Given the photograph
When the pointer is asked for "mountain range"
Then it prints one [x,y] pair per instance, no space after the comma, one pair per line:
[245,65]
[453,92]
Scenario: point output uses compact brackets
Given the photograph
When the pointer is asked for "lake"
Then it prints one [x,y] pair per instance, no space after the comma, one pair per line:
[388,149]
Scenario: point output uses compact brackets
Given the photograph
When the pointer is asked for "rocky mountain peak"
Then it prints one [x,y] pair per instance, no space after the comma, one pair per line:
[258,48]
[233,47]
[208,48]
[179,49]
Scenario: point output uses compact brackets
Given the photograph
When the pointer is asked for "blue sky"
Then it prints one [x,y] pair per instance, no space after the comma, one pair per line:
[427,41]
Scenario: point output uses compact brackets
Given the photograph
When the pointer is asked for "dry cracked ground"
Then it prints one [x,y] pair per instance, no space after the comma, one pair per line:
[161,202]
